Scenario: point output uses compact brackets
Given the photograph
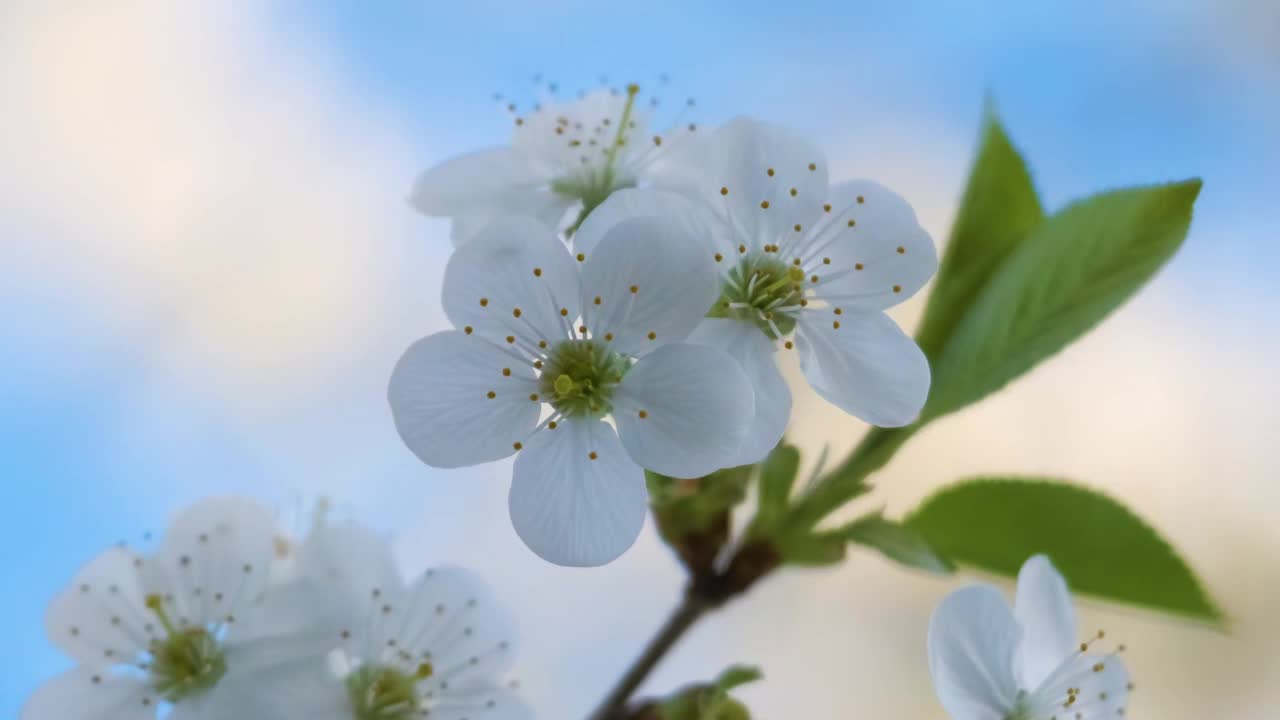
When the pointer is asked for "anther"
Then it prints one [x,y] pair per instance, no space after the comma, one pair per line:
[826,261]
[657,140]
[593,455]
[902,250]
[851,223]
[491,394]
[511,339]
[812,167]
[826,207]
[598,300]
[835,325]
[724,191]
[861,199]
[719,257]
[516,312]
[742,249]
[533,397]
[653,335]
[858,266]
[484,302]
[788,344]
[770,172]
[552,425]
[581,257]
[635,289]
[608,337]
[537,272]
[897,288]
[764,204]
[564,312]
[838,311]
[643,414]
[793,192]
[517,445]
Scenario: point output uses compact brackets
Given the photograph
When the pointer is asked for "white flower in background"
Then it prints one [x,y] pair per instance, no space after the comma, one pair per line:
[545,353]
[565,159]
[992,663]
[179,633]
[803,265]
[438,648]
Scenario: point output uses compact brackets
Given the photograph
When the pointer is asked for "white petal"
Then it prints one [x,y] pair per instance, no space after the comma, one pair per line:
[1043,608]
[654,282]
[867,367]
[214,561]
[883,259]
[542,205]
[697,405]
[972,640]
[349,557]
[738,158]
[88,694]
[754,352]
[453,621]
[628,203]
[439,395]
[514,278]
[485,702]
[474,181]
[570,508]
[99,619]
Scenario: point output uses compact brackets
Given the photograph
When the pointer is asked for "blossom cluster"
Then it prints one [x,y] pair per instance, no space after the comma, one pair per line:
[228,619]
[619,300]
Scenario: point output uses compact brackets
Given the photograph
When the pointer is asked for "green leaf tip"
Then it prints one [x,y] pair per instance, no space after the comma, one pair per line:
[1101,547]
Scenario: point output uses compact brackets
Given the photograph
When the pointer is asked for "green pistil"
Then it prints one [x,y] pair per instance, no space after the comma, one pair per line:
[186,661]
[380,692]
[580,377]
[594,185]
[764,291]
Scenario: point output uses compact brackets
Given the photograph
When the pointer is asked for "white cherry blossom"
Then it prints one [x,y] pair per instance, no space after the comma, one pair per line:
[179,633]
[564,160]
[436,648]
[991,662]
[802,265]
[544,354]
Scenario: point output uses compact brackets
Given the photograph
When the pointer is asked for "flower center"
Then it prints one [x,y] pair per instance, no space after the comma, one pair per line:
[186,661]
[593,185]
[764,291]
[580,376]
[382,692]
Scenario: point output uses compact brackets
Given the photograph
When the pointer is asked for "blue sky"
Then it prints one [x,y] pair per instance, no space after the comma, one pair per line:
[111,414]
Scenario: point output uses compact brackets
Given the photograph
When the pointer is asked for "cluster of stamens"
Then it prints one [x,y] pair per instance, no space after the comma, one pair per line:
[390,679]
[576,374]
[597,155]
[769,285]
[1061,699]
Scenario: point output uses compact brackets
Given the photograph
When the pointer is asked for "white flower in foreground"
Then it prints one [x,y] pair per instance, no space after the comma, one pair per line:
[544,354]
[565,156]
[178,633]
[802,265]
[438,648]
[992,663]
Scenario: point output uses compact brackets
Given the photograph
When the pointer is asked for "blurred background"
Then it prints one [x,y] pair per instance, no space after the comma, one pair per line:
[207,271]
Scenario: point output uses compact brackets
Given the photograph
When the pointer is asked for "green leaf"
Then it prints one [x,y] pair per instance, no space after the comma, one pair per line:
[998,210]
[777,476]
[1069,274]
[897,542]
[709,701]
[737,675]
[1099,545]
